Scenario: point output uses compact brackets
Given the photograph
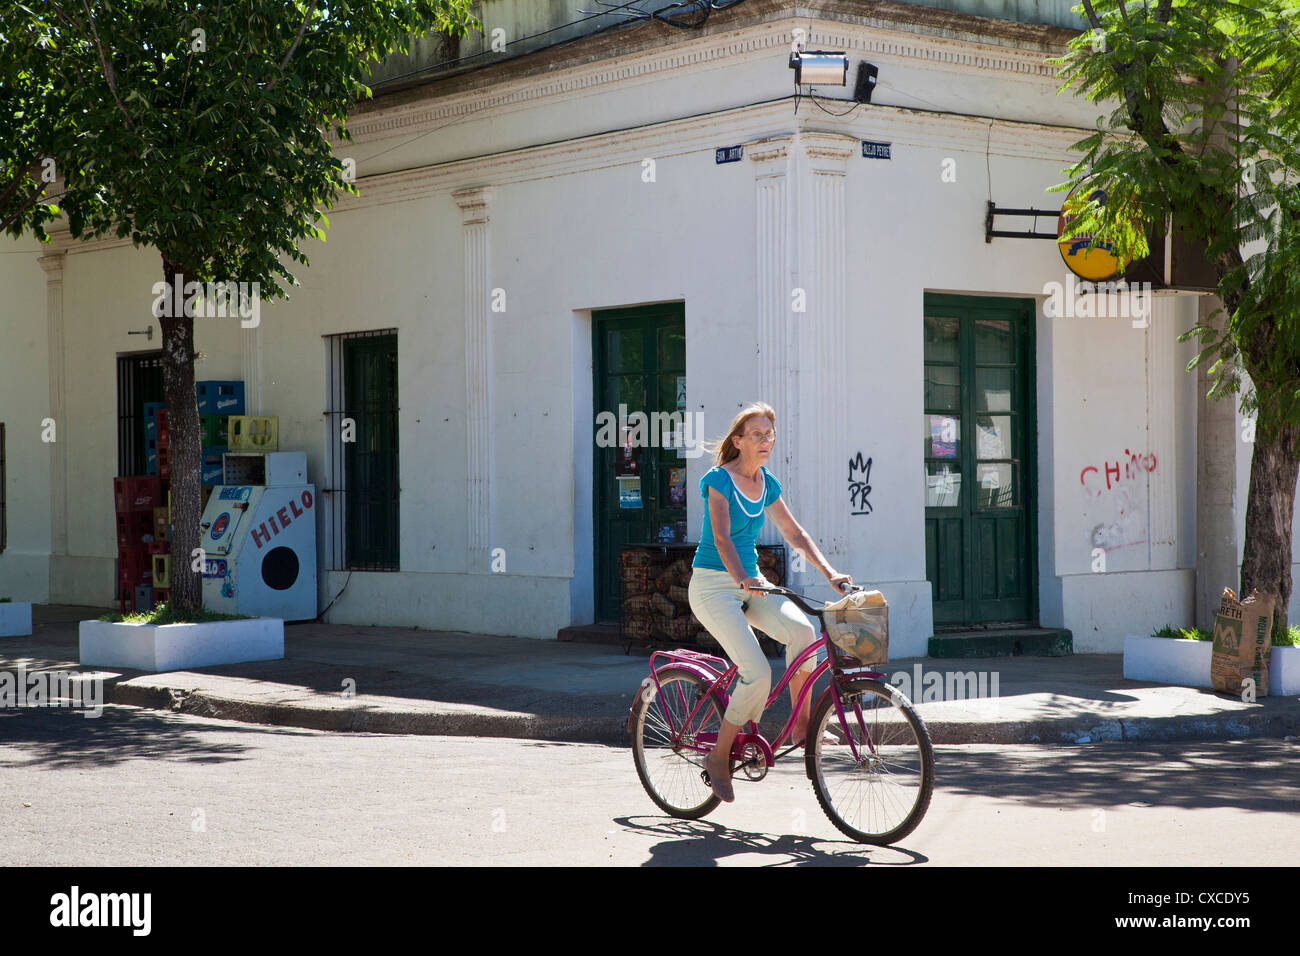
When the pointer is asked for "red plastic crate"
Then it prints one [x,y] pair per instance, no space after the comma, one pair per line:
[138,493]
[163,433]
[132,528]
[134,567]
[164,461]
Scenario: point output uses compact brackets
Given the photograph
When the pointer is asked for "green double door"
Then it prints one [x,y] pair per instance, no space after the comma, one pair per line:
[639,363]
[979,451]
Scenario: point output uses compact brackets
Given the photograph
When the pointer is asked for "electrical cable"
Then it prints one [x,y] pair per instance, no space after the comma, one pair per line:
[336,597]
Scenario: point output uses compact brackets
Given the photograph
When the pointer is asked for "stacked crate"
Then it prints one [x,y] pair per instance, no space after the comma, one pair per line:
[135,498]
[655,603]
[160,551]
[217,401]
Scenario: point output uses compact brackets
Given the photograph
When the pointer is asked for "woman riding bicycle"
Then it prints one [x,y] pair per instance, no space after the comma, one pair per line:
[738,490]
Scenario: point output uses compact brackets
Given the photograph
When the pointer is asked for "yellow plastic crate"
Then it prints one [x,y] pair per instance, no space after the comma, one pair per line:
[254,433]
[162,570]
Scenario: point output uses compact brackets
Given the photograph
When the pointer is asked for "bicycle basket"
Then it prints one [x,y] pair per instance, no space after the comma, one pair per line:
[858,623]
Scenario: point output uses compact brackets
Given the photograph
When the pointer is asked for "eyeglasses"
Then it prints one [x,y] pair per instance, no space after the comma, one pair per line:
[763,436]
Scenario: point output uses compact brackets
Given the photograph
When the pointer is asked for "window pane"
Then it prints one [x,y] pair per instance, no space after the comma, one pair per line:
[942,387]
[940,339]
[942,485]
[626,350]
[995,486]
[942,435]
[672,349]
[993,436]
[630,391]
[994,342]
[993,389]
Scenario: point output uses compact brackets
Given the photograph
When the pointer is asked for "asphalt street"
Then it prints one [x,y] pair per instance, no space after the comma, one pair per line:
[141,788]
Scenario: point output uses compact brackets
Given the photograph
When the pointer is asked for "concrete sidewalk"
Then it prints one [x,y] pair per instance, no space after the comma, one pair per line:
[409,681]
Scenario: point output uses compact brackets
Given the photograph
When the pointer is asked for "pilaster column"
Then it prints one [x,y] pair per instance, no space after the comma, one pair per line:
[773,281]
[473,203]
[821,333]
[1162,385]
[53,266]
[250,361]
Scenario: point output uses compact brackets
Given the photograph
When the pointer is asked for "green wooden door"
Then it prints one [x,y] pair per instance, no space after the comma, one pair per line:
[370,461]
[979,451]
[639,362]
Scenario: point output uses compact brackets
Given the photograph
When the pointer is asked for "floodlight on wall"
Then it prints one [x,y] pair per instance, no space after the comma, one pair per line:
[866,81]
[820,68]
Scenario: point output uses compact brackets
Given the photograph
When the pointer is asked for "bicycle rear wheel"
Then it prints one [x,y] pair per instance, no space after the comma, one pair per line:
[671,772]
[882,796]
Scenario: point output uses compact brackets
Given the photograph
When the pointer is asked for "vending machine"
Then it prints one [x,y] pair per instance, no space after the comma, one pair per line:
[258,535]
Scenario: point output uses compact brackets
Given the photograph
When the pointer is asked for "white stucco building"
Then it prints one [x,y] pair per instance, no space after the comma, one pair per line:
[539,237]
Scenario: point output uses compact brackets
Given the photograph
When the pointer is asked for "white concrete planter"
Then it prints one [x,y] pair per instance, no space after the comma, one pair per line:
[1284,672]
[15,619]
[1167,660]
[173,647]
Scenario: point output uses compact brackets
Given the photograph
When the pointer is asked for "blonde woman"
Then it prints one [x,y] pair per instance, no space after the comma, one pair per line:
[738,491]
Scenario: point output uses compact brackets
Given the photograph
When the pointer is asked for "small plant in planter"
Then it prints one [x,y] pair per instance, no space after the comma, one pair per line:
[1185,633]
[164,614]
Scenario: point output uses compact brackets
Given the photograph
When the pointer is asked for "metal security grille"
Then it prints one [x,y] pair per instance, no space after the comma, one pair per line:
[139,380]
[361,470]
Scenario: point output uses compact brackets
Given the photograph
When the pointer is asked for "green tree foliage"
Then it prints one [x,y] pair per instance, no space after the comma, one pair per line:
[200,129]
[1203,134]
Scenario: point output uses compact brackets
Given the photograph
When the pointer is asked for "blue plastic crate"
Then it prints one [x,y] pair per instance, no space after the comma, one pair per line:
[151,462]
[220,398]
[211,467]
[151,418]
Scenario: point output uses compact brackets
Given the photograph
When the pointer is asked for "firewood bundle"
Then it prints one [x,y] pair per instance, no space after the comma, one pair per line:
[655,600]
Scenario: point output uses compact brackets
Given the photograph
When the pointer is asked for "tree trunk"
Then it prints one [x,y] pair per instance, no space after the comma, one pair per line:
[183,421]
[1266,563]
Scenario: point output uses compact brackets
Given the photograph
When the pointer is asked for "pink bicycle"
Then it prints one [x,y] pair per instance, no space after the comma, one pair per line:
[874,783]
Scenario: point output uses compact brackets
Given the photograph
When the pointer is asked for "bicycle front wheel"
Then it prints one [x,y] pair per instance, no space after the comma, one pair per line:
[661,741]
[880,796]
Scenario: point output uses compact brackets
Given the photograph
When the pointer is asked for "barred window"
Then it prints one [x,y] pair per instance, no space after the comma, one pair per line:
[139,380]
[360,485]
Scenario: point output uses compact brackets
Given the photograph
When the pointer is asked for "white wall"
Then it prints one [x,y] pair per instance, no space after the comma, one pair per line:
[573,228]
[24,403]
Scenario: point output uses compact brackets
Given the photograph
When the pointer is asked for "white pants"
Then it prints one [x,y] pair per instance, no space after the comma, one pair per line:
[716,600]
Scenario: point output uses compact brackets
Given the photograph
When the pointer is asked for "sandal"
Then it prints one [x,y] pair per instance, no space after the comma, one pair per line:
[721,786]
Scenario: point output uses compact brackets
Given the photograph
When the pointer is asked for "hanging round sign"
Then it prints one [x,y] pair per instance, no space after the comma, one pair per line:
[1096,263]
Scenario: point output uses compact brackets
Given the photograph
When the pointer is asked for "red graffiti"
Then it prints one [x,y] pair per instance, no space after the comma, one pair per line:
[1132,465]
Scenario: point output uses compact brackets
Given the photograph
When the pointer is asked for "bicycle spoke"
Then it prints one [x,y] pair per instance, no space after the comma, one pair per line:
[883,792]
[668,764]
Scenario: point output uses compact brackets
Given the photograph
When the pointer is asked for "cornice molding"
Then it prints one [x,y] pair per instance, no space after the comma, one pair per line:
[52,263]
[868,35]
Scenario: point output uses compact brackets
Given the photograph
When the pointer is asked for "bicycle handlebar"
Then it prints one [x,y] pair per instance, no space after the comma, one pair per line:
[800,600]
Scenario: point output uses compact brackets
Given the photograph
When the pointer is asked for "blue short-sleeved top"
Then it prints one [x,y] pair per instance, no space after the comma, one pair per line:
[746,519]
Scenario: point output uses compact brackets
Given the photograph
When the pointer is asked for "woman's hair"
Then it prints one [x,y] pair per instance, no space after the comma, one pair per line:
[725,449]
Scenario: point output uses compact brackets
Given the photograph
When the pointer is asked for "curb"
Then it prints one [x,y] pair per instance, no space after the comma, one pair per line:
[612,730]
[362,720]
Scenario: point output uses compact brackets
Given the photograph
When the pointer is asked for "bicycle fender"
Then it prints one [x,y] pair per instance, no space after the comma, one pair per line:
[698,670]
[649,682]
